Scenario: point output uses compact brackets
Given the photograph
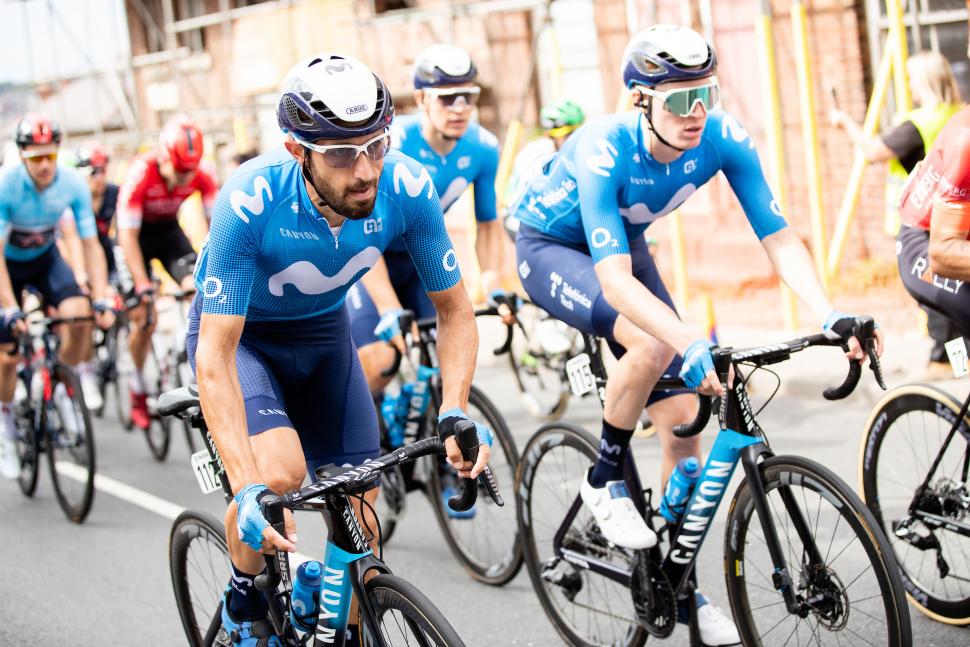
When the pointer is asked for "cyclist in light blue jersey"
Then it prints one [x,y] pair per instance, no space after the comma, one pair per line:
[33,197]
[268,336]
[456,153]
[583,258]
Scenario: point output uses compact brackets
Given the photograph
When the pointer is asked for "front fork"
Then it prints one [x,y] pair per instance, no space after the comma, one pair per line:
[781,577]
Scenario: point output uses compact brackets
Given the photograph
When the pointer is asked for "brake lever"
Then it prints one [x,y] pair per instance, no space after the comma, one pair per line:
[874,363]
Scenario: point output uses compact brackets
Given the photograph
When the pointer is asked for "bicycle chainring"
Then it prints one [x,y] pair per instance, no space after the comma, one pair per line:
[653,597]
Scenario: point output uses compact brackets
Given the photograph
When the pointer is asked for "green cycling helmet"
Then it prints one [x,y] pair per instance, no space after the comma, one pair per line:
[565,115]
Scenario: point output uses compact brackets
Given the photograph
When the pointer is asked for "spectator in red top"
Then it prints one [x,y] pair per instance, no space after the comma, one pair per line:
[156,186]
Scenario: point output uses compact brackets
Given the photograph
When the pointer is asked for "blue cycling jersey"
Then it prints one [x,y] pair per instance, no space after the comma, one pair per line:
[473,161]
[28,217]
[271,256]
[603,188]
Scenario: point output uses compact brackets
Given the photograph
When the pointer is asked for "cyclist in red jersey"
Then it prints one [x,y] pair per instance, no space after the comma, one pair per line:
[932,246]
[156,186]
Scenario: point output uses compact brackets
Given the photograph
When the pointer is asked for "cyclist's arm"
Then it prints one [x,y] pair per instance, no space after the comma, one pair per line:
[69,245]
[7,299]
[457,343]
[208,192]
[488,248]
[949,250]
[488,234]
[129,216]
[872,147]
[377,282]
[87,230]
[796,268]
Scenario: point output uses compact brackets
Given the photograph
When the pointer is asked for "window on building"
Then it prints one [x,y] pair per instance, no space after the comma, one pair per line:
[939,25]
[383,6]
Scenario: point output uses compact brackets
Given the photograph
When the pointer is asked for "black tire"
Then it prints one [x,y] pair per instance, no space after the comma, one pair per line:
[487,544]
[406,616]
[159,432]
[861,603]
[70,452]
[28,443]
[539,376]
[392,504]
[547,483]
[200,568]
[122,375]
[904,434]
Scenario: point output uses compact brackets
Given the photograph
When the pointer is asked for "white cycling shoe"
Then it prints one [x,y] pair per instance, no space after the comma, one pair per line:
[716,629]
[91,390]
[616,515]
[9,460]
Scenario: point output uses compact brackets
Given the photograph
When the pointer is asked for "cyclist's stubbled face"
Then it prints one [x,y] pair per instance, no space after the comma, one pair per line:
[351,191]
[449,120]
[41,163]
[683,132]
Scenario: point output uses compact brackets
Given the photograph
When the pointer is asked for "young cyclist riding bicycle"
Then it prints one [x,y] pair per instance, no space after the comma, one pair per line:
[155,187]
[280,384]
[456,153]
[583,258]
[33,197]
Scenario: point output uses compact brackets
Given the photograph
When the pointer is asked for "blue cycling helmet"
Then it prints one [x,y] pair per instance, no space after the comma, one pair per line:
[667,53]
[333,97]
[443,65]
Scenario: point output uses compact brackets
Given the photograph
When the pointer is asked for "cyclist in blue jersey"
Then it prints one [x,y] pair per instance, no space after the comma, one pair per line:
[456,153]
[583,258]
[33,196]
[269,337]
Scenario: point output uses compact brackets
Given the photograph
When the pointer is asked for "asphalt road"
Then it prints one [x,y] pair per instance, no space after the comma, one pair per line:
[107,582]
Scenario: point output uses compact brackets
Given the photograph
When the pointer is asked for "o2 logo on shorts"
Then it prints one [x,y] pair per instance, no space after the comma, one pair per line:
[212,289]
[450,260]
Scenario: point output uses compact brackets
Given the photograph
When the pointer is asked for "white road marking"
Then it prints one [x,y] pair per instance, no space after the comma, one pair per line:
[140,498]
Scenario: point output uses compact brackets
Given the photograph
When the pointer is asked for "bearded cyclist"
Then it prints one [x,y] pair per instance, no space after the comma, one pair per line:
[155,187]
[932,246]
[456,153]
[583,258]
[33,197]
[281,387]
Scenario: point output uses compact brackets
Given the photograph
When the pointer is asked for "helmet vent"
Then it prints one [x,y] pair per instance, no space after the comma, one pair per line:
[674,62]
[295,114]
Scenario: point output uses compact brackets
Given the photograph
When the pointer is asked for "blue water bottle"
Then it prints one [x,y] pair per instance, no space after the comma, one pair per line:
[679,487]
[305,599]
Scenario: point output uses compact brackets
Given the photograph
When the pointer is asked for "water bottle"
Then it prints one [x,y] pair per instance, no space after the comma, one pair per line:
[305,599]
[679,487]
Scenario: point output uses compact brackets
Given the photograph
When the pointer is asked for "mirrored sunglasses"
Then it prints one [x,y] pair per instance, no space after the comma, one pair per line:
[344,155]
[456,98]
[38,156]
[682,101]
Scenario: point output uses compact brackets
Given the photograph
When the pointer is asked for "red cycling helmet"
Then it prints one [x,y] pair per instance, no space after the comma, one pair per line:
[182,140]
[91,154]
[36,128]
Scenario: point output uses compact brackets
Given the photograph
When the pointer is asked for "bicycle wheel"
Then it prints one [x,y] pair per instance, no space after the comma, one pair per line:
[904,435]
[158,378]
[28,441]
[852,596]
[485,541]
[200,568]
[539,362]
[184,376]
[585,608]
[405,616]
[124,367]
[70,445]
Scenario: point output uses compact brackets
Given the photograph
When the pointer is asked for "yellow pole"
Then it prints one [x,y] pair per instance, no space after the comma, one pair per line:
[624,102]
[809,135]
[851,197]
[776,139]
[897,36]
[679,257]
[513,137]
[240,135]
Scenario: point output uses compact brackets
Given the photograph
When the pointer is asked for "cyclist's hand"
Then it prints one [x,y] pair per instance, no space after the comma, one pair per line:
[254,530]
[389,329]
[841,324]
[13,320]
[499,299]
[104,313]
[446,431]
[144,290]
[698,369]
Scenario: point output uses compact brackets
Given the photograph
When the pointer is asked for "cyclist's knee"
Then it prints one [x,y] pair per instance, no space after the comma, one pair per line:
[74,307]
[675,410]
[375,358]
[282,477]
[645,353]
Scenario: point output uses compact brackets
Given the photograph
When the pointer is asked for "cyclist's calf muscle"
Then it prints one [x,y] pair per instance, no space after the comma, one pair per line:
[949,249]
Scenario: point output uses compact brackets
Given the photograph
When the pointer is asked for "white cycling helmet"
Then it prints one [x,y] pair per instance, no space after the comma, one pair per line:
[667,53]
[331,96]
[443,65]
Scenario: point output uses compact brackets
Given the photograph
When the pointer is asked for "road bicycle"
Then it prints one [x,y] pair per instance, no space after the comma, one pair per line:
[483,539]
[914,461]
[52,418]
[805,561]
[391,611]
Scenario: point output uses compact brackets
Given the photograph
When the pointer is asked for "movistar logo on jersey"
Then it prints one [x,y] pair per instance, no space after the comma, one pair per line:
[239,199]
[413,185]
[307,279]
[730,128]
[606,160]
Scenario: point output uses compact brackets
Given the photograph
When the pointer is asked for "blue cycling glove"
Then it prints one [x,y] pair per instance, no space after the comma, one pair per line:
[697,362]
[448,419]
[250,521]
[840,323]
[389,326]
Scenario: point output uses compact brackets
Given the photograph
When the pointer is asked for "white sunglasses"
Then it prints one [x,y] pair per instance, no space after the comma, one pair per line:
[344,155]
[457,98]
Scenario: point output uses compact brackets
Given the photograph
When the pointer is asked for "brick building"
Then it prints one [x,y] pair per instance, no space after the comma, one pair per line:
[223,60]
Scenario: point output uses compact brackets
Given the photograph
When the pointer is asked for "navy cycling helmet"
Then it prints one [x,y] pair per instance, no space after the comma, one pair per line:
[443,65]
[667,53]
[333,97]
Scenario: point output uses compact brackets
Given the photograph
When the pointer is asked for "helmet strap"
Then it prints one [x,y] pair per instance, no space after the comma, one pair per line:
[649,115]
[307,169]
